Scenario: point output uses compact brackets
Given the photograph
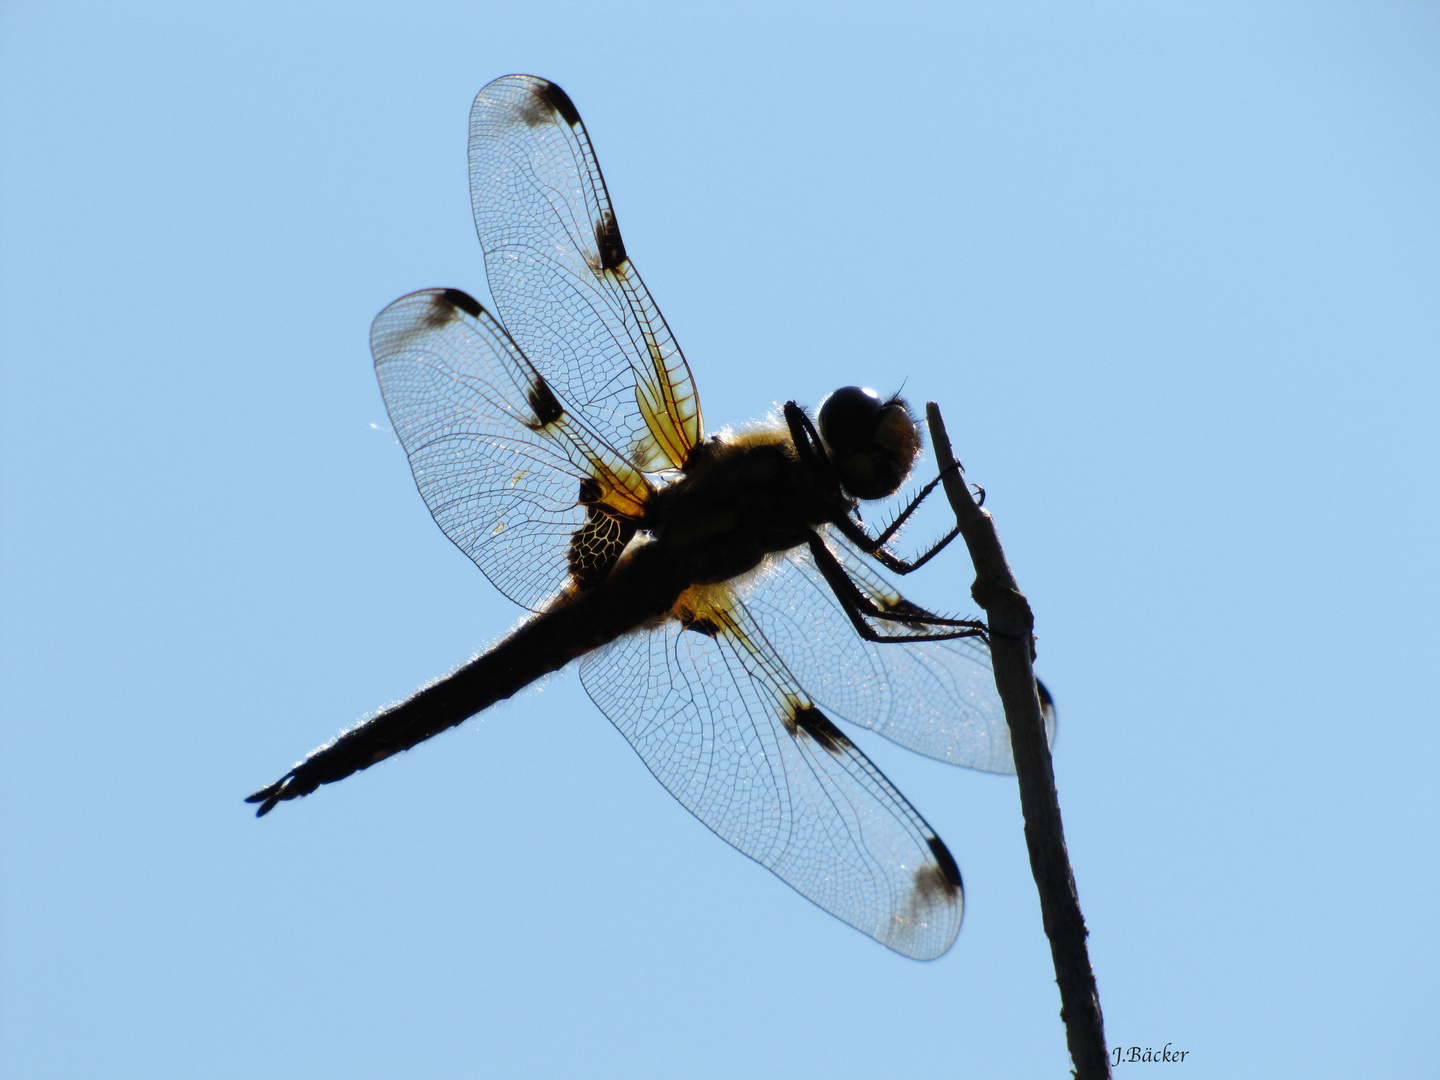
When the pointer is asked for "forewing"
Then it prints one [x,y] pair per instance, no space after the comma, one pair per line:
[510,473]
[722,723]
[561,279]
[937,698]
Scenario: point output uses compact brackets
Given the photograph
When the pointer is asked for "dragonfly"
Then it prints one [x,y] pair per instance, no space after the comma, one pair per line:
[722,595]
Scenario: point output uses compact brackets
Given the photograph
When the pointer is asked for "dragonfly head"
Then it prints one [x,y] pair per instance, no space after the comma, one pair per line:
[872,443]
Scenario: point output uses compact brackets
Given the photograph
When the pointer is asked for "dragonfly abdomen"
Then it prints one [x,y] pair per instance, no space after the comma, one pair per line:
[644,587]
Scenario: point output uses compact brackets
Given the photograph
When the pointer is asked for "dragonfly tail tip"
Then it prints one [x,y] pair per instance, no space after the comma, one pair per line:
[268,797]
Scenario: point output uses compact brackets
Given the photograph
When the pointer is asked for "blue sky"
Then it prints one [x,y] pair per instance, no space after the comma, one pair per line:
[1171,269]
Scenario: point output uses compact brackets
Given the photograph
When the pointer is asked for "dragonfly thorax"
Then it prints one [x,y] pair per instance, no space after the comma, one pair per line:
[738,500]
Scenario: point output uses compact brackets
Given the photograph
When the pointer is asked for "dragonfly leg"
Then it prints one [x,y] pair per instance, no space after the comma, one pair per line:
[890,530]
[875,547]
[860,607]
[809,446]
[812,452]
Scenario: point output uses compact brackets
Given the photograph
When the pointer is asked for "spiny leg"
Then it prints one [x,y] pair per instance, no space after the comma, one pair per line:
[858,606]
[811,451]
[807,443]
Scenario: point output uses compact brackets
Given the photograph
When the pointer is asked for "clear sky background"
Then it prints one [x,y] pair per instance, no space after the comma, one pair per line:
[1174,272]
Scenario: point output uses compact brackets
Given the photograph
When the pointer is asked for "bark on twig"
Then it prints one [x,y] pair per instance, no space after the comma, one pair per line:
[1012,650]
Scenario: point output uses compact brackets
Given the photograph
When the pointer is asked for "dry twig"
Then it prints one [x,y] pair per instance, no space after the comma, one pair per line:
[1012,648]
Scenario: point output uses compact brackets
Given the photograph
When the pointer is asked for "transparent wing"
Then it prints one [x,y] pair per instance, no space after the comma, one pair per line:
[560,277]
[722,723]
[511,474]
[937,698]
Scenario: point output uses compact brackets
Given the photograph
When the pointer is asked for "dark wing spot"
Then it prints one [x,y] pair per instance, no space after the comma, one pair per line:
[708,627]
[946,862]
[590,491]
[542,400]
[607,240]
[817,725]
[596,545]
[462,300]
[559,102]
[690,619]
[445,303]
[1047,703]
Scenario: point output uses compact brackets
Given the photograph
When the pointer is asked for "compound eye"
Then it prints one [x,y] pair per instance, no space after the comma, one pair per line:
[872,444]
[848,418]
